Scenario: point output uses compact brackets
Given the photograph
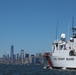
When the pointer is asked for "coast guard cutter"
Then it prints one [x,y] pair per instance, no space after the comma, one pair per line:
[63,54]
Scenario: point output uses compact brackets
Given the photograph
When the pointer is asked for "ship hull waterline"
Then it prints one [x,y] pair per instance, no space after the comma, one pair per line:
[63,62]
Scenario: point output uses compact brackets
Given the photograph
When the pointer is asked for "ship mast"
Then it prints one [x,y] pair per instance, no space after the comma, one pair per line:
[73,29]
[57,31]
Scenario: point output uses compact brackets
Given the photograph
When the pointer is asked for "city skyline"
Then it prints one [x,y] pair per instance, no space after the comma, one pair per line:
[31,25]
[11,52]
[21,58]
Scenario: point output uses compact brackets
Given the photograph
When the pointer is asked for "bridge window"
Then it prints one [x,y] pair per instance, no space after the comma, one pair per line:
[60,47]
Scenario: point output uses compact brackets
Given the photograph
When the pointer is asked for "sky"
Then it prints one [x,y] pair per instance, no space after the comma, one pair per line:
[31,24]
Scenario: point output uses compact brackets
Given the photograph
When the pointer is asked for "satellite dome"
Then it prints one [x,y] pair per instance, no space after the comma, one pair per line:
[63,36]
[71,39]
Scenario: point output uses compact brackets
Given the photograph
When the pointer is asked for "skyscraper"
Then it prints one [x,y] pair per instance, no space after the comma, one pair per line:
[27,60]
[12,52]
[37,55]
[27,56]
[33,59]
[22,56]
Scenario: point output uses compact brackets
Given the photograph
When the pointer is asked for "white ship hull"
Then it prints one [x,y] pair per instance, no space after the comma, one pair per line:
[63,62]
[60,59]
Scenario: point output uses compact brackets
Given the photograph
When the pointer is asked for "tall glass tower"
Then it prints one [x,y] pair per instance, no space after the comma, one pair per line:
[22,56]
[12,52]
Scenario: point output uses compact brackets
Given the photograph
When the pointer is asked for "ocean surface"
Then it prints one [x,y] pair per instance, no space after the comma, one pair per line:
[32,70]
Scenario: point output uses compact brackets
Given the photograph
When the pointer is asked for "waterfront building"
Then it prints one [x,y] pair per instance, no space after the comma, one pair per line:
[41,58]
[17,58]
[37,55]
[33,59]
[27,56]
[27,60]
[37,61]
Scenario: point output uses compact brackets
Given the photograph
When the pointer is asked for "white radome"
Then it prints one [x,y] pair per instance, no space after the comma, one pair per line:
[63,35]
[71,38]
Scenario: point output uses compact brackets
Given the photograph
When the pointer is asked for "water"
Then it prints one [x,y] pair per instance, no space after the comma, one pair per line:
[31,70]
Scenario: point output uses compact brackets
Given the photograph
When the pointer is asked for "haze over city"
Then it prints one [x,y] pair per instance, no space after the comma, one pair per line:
[31,24]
